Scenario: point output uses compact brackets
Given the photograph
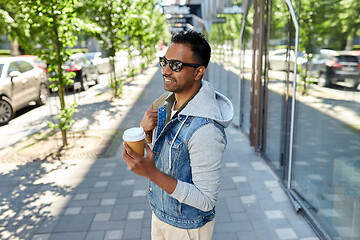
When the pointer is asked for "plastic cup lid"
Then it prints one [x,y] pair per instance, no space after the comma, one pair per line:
[134,134]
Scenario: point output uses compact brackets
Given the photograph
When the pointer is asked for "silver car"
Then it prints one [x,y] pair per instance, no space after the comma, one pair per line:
[21,82]
[103,64]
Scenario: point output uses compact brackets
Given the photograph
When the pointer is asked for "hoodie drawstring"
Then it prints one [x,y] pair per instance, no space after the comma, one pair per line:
[173,140]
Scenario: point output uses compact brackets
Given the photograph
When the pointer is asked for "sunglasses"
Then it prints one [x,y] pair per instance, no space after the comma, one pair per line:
[175,65]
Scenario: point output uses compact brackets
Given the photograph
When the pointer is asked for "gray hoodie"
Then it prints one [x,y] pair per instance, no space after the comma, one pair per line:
[206,148]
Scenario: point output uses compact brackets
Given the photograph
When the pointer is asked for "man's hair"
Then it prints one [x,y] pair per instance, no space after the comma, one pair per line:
[197,43]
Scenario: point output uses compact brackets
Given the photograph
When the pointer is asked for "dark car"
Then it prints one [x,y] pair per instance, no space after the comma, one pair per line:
[355,53]
[85,70]
[21,82]
[336,67]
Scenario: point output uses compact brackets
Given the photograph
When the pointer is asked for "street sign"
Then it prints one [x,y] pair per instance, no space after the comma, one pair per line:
[233,10]
[183,10]
[180,20]
[177,29]
[219,20]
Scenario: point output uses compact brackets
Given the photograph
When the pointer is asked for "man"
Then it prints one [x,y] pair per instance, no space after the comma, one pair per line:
[188,139]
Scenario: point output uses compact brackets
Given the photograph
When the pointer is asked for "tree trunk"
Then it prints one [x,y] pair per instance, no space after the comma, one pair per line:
[61,86]
[61,93]
[348,43]
[14,48]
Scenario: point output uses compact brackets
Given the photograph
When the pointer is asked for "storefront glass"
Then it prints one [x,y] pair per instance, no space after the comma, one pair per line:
[278,83]
[326,171]
[246,63]
[223,70]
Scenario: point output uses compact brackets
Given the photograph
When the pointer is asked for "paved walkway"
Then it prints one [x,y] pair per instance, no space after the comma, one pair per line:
[101,199]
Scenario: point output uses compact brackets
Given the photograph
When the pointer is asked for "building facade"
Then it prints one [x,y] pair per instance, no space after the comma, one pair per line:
[304,121]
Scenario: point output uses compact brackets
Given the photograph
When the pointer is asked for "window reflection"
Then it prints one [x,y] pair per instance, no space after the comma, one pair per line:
[279,60]
[246,71]
[327,126]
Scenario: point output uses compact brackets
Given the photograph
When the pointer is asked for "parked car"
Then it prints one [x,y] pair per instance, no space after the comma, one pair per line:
[40,63]
[336,67]
[103,64]
[318,61]
[278,59]
[85,70]
[21,82]
[355,53]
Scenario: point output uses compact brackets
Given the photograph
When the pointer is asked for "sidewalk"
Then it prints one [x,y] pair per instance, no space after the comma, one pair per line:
[101,199]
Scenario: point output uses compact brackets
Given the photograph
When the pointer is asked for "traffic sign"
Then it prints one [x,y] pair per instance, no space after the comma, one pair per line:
[233,10]
[180,20]
[183,9]
[219,20]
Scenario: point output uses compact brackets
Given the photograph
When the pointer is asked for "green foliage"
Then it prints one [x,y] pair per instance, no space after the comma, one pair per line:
[230,30]
[323,24]
[65,118]
[51,28]
[48,29]
[125,25]
[144,28]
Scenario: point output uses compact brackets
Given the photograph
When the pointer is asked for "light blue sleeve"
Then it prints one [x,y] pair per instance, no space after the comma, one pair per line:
[206,148]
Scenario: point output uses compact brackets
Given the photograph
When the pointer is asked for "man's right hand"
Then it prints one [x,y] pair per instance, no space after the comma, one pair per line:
[149,122]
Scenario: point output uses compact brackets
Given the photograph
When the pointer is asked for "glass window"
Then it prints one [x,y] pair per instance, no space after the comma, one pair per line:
[246,62]
[85,60]
[222,71]
[14,66]
[25,66]
[346,58]
[327,127]
[278,77]
[1,69]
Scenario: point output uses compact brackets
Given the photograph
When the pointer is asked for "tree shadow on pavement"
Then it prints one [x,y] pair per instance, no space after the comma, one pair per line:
[38,197]
[91,112]
[26,198]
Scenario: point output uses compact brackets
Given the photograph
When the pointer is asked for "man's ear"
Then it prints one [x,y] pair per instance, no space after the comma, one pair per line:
[199,72]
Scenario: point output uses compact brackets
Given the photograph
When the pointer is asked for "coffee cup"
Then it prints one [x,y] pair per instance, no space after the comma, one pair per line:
[135,138]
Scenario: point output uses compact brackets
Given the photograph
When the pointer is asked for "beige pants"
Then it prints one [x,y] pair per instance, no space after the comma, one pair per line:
[163,231]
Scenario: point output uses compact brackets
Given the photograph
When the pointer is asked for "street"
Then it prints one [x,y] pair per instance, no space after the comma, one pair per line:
[32,119]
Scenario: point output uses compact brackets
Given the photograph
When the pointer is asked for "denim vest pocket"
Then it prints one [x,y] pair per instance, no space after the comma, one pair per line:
[176,143]
[179,209]
[175,207]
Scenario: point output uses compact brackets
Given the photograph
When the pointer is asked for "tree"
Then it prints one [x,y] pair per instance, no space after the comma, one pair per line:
[312,19]
[325,24]
[126,24]
[109,17]
[11,26]
[144,29]
[46,28]
[349,20]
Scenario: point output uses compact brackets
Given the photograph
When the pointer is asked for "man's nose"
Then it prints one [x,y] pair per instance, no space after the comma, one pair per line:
[166,70]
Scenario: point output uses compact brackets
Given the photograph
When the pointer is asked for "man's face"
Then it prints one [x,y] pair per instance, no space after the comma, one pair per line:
[182,82]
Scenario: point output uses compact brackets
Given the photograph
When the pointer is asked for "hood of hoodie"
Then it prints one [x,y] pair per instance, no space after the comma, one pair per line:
[208,103]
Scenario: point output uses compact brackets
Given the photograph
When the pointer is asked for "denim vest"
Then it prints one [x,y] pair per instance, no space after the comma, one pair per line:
[176,135]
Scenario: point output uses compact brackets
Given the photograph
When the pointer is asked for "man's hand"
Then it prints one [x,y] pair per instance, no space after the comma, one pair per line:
[145,167]
[141,165]
[149,122]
